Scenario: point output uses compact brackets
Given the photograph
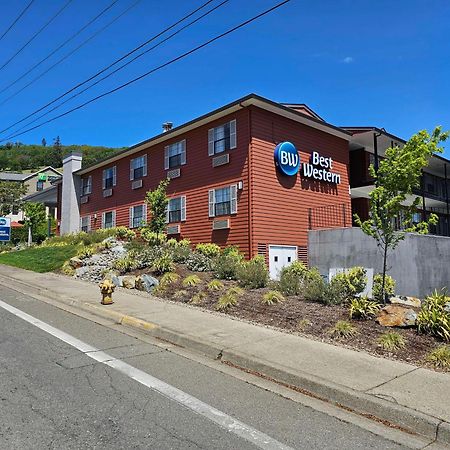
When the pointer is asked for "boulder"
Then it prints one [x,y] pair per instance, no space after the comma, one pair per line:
[81,271]
[118,281]
[129,282]
[397,316]
[118,251]
[447,307]
[75,262]
[146,283]
[406,301]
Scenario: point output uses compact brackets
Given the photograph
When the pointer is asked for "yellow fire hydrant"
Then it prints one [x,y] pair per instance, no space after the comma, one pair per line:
[107,288]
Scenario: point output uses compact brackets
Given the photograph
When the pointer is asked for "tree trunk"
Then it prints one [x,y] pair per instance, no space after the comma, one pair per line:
[383,284]
[30,238]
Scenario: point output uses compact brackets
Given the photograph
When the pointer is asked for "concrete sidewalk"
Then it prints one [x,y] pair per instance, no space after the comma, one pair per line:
[407,396]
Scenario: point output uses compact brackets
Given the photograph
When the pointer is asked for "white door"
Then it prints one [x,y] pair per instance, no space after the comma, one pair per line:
[279,257]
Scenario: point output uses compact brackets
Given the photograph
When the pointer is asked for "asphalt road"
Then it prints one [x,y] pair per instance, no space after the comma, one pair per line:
[54,396]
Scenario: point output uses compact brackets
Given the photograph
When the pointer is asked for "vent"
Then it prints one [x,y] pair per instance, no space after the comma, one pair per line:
[262,249]
[84,199]
[221,224]
[107,192]
[174,173]
[173,229]
[136,184]
[221,160]
[303,254]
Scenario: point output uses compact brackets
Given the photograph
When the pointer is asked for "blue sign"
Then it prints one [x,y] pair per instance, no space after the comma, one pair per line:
[287,158]
[5,229]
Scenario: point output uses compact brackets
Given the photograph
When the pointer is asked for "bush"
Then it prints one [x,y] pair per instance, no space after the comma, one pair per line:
[363,308]
[272,297]
[215,285]
[169,278]
[153,238]
[163,264]
[389,287]
[293,277]
[226,301]
[180,294]
[85,251]
[236,291]
[353,281]
[434,318]
[440,357]
[181,250]
[125,234]
[391,341]
[303,324]
[198,298]
[125,264]
[81,237]
[197,262]
[318,290]
[226,265]
[343,329]
[253,274]
[209,250]
[191,281]
[67,269]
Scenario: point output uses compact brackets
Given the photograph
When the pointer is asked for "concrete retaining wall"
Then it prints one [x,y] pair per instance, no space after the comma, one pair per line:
[419,264]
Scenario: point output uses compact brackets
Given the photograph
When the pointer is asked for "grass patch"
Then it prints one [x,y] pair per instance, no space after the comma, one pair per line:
[39,259]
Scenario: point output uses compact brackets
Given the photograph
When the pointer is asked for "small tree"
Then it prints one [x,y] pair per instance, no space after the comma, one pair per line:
[11,193]
[35,216]
[399,173]
[157,201]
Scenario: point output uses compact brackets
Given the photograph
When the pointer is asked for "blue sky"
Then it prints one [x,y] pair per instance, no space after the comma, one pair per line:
[359,63]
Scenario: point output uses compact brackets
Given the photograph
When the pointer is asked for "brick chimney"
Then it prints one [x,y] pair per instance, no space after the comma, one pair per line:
[70,199]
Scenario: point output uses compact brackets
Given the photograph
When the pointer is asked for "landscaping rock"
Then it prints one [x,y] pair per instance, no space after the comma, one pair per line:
[146,283]
[81,271]
[118,251]
[75,262]
[447,307]
[406,301]
[118,281]
[129,282]
[397,316]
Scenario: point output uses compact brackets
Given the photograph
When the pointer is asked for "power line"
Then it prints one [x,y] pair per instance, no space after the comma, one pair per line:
[35,35]
[123,65]
[168,63]
[61,45]
[16,20]
[68,55]
[143,44]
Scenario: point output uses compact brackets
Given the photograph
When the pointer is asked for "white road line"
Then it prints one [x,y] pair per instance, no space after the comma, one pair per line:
[225,421]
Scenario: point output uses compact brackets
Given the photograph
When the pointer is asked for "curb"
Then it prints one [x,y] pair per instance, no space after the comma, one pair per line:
[369,406]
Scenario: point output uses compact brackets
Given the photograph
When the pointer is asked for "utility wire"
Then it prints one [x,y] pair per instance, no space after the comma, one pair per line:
[123,65]
[35,35]
[168,63]
[69,54]
[16,20]
[143,44]
[61,45]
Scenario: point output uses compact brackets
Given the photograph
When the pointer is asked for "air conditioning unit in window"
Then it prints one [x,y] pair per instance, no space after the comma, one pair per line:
[221,160]
[84,199]
[136,184]
[107,193]
[174,173]
[173,229]
[221,224]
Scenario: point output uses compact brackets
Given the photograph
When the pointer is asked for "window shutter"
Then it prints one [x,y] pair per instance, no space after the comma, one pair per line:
[183,208]
[211,142]
[233,134]
[104,179]
[114,175]
[114,218]
[166,157]
[233,199]
[103,219]
[183,152]
[131,217]
[211,194]
[89,184]
[89,223]
[145,165]
[131,170]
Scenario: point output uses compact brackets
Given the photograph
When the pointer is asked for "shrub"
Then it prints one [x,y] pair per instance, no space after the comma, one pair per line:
[67,269]
[191,281]
[353,280]
[231,250]
[318,290]
[81,237]
[125,264]
[363,308]
[215,285]
[335,292]
[209,250]
[391,341]
[125,234]
[180,294]
[389,287]
[253,274]
[236,291]
[172,243]
[226,265]
[163,264]
[197,262]
[226,301]
[153,238]
[181,251]
[433,317]
[85,251]
[343,329]
[440,357]
[303,324]
[272,297]
[169,278]
[198,298]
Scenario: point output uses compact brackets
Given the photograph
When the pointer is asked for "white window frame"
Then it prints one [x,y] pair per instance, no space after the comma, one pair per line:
[133,165]
[181,146]
[113,223]
[144,216]
[86,185]
[88,225]
[114,177]
[212,141]
[212,201]
[182,206]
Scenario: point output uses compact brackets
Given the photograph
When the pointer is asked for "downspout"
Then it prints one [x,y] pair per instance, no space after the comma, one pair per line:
[250,184]
[446,199]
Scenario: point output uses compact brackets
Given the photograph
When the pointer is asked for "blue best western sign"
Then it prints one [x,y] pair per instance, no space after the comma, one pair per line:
[5,229]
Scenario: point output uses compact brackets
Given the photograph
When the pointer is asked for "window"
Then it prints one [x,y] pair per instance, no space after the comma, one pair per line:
[175,155]
[138,167]
[109,177]
[138,216]
[222,138]
[39,185]
[86,185]
[176,210]
[223,201]
[86,224]
[15,209]
[109,219]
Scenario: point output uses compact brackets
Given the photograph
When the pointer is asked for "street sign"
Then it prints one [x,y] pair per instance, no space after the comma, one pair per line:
[5,229]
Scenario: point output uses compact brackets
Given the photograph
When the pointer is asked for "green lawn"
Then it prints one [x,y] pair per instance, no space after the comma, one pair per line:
[39,259]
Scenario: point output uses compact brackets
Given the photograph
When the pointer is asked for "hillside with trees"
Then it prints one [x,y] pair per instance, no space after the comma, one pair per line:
[18,157]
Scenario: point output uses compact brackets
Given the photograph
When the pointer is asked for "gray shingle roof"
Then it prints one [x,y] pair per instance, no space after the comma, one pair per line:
[10,176]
